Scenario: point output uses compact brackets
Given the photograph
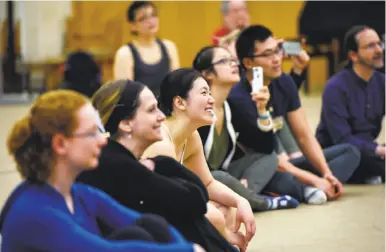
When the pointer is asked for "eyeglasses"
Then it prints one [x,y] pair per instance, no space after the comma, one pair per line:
[373,46]
[146,17]
[226,61]
[91,133]
[270,53]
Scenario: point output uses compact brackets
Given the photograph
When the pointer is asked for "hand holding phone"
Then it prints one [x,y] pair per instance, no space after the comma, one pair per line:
[292,48]
[257,79]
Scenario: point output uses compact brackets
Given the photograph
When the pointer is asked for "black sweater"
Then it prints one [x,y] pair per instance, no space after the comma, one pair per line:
[171,191]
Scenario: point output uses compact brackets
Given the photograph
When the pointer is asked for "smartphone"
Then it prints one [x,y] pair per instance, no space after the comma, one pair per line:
[257,79]
[292,47]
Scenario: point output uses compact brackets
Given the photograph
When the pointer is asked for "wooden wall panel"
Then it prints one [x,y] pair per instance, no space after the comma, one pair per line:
[102,25]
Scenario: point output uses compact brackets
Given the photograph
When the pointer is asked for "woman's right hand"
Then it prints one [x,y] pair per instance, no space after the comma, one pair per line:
[148,163]
[198,248]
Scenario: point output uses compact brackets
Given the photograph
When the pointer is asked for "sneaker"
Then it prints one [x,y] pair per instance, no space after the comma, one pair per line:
[373,180]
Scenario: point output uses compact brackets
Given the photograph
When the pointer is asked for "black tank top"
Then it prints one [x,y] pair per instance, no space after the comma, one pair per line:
[150,75]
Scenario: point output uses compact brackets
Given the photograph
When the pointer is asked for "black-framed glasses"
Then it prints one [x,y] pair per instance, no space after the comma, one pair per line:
[270,53]
[226,61]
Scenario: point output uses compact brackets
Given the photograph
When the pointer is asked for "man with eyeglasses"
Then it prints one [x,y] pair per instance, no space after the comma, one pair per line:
[312,178]
[354,104]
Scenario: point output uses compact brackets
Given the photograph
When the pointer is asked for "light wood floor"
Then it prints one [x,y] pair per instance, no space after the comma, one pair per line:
[355,223]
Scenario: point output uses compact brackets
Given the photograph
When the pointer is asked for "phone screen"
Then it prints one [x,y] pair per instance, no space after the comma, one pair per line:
[292,47]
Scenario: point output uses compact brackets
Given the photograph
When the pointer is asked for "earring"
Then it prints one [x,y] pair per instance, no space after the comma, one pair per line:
[129,135]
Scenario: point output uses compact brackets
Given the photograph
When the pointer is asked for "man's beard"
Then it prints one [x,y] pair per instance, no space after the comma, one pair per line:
[370,63]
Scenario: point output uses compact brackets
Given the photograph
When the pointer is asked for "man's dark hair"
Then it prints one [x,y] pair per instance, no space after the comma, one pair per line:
[245,44]
[136,5]
[350,38]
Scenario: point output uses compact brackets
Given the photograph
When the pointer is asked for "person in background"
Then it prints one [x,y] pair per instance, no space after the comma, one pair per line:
[81,73]
[147,58]
[51,145]
[246,174]
[353,104]
[161,185]
[235,16]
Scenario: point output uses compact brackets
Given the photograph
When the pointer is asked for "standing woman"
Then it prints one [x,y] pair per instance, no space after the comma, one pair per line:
[51,145]
[146,59]
[187,103]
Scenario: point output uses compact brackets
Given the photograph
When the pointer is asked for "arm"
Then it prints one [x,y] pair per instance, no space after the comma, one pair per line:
[244,121]
[302,175]
[123,64]
[196,162]
[307,142]
[218,192]
[299,76]
[187,198]
[51,230]
[118,216]
[169,167]
[336,116]
[173,54]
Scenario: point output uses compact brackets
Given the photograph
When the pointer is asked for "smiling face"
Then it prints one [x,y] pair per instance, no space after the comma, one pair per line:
[146,123]
[268,55]
[199,103]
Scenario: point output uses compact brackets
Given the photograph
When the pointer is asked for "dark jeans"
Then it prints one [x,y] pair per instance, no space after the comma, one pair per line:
[343,160]
[148,227]
[370,165]
[257,169]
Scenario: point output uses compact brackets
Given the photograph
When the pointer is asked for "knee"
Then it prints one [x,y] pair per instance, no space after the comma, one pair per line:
[353,152]
[271,160]
[152,220]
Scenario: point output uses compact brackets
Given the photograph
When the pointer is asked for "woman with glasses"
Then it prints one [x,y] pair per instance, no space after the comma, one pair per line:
[245,173]
[146,59]
[160,185]
[58,139]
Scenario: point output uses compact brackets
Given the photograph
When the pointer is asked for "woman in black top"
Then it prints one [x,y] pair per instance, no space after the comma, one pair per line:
[160,185]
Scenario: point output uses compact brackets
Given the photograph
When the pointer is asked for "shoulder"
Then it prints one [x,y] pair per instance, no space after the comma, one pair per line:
[87,192]
[338,82]
[170,45]
[194,144]
[380,77]
[237,91]
[161,148]
[123,52]
[29,206]
[286,82]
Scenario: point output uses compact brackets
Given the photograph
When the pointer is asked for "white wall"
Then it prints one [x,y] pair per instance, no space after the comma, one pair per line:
[42,27]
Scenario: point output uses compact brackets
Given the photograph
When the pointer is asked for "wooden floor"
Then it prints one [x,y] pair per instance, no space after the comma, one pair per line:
[355,223]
